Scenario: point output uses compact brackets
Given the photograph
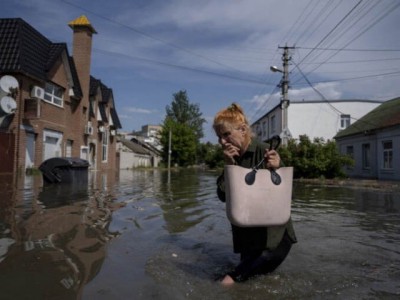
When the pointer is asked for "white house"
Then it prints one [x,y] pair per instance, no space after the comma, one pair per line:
[134,153]
[149,134]
[314,118]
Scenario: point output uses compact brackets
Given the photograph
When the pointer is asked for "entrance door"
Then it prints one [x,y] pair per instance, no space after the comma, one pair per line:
[52,144]
[92,155]
[30,150]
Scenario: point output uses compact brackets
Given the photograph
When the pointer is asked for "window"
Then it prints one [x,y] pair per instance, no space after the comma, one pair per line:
[273,125]
[265,128]
[350,151]
[104,142]
[84,152]
[387,154]
[52,144]
[344,121]
[53,94]
[92,108]
[258,130]
[366,156]
[68,148]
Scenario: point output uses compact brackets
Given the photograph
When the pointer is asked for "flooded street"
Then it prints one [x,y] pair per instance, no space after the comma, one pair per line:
[151,234]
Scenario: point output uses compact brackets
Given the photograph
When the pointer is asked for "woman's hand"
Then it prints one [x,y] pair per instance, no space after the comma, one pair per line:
[230,151]
[272,158]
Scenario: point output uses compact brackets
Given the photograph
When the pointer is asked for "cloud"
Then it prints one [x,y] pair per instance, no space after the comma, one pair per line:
[146,50]
[329,90]
[139,110]
[261,104]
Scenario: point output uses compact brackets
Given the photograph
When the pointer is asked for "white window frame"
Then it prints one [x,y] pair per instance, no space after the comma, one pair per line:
[68,148]
[387,155]
[84,153]
[265,128]
[104,146]
[56,150]
[92,103]
[345,121]
[54,94]
[273,124]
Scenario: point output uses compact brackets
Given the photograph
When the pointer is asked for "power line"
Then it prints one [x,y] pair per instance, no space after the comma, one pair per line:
[347,49]
[397,73]
[365,29]
[353,61]
[332,30]
[149,36]
[147,60]
[313,22]
[330,105]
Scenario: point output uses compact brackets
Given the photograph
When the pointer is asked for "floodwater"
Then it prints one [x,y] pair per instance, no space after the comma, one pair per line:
[151,234]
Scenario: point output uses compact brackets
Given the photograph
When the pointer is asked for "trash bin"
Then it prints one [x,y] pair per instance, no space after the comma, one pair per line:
[70,170]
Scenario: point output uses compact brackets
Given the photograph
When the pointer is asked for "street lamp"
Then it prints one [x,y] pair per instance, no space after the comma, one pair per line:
[284,85]
[275,69]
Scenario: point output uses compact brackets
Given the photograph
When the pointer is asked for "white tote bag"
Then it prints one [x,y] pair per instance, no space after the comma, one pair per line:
[262,203]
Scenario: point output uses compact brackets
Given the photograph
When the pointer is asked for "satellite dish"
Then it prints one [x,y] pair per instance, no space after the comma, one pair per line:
[8,84]
[8,105]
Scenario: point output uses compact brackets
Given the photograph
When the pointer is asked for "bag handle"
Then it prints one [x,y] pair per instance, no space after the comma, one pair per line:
[250,177]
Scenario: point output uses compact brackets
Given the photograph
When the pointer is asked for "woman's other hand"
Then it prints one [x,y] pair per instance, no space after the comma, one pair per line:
[272,158]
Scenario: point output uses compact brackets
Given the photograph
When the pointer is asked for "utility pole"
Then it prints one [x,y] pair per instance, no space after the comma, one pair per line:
[169,149]
[284,85]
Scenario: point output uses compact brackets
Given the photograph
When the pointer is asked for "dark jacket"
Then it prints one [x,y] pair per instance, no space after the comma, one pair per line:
[254,238]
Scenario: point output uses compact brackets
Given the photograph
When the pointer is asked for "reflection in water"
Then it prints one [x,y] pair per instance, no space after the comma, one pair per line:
[58,235]
[180,200]
[154,234]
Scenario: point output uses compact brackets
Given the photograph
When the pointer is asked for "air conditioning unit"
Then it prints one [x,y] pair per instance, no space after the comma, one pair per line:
[89,129]
[37,92]
[102,128]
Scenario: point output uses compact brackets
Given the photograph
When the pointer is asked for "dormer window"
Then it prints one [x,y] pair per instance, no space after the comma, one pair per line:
[344,121]
[54,94]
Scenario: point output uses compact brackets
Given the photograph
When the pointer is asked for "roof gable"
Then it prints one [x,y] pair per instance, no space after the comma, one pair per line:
[106,99]
[135,147]
[25,50]
[385,115]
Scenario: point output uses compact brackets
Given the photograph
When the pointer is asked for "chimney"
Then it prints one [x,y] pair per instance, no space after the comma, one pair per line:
[82,51]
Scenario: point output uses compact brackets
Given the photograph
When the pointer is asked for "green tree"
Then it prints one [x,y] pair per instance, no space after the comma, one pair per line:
[183,112]
[211,155]
[185,123]
[314,159]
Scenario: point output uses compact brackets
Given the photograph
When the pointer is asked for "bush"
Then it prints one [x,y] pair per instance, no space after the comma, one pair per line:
[317,159]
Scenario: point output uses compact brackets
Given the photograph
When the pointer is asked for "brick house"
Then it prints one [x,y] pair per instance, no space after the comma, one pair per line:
[59,109]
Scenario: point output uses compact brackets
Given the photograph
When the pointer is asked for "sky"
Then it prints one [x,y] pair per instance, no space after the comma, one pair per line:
[221,51]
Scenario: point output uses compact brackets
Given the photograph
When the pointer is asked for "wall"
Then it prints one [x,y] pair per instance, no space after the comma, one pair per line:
[375,140]
[323,119]
[314,118]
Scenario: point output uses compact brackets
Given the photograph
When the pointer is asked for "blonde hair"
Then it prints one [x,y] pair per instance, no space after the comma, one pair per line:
[232,117]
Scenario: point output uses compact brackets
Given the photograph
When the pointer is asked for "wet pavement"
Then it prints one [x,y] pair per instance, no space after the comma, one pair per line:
[154,234]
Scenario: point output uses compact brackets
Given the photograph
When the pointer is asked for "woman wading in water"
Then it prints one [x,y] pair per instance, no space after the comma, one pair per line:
[262,249]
